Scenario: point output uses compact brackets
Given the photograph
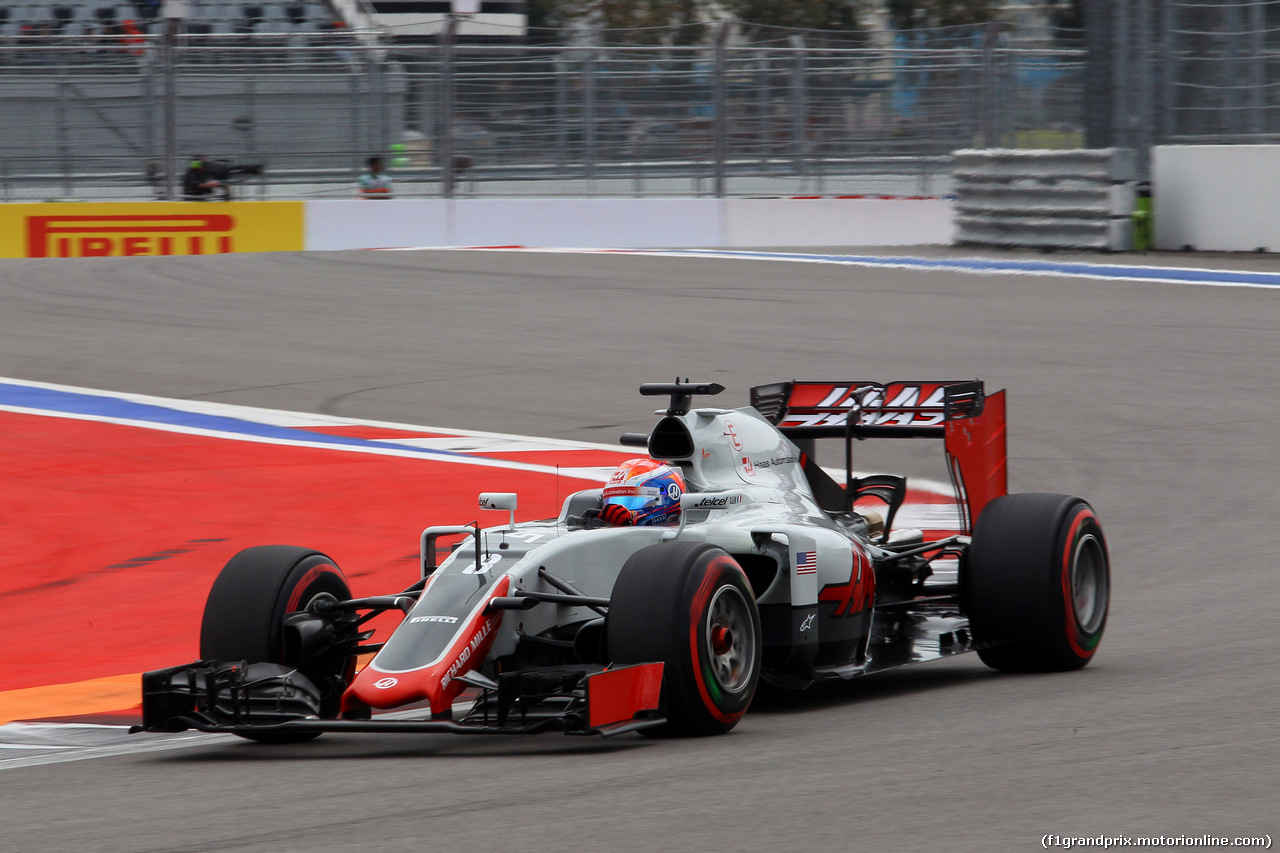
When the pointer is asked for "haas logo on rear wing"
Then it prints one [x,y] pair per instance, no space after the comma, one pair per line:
[902,405]
[971,424]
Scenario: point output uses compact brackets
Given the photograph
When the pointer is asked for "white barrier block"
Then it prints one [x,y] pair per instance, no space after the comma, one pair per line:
[838,222]
[1216,198]
[367,224]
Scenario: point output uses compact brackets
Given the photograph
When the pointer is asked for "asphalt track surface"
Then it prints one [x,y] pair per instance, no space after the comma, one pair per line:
[1156,402]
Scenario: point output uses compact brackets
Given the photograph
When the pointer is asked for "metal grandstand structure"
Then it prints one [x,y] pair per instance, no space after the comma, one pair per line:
[744,111]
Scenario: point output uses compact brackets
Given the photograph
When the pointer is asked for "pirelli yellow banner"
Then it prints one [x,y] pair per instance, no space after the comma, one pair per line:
[116,229]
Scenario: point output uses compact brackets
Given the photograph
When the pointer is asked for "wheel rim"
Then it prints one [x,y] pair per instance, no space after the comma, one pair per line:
[310,603]
[730,642]
[1089,584]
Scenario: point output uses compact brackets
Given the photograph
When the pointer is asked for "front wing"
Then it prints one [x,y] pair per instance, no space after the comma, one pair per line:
[262,700]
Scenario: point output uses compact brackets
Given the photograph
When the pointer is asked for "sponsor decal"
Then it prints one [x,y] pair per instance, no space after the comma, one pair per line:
[717,502]
[775,462]
[806,563]
[732,431]
[448,620]
[65,236]
[673,491]
[896,404]
[487,562]
[618,476]
[385,683]
[148,229]
[748,468]
[807,623]
[486,628]
[632,491]
[854,595]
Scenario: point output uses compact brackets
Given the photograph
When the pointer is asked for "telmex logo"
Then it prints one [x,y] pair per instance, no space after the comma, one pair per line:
[104,236]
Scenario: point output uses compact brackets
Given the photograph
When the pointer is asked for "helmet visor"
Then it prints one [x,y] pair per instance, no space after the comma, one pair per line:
[632,497]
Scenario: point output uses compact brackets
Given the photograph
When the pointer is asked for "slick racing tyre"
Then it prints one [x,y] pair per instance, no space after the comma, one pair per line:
[1037,583]
[689,605]
[244,617]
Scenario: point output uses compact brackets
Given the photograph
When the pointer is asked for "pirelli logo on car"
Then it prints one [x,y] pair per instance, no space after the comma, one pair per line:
[132,230]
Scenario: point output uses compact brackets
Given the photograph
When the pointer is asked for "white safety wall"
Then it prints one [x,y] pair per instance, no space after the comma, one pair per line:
[1216,198]
[627,223]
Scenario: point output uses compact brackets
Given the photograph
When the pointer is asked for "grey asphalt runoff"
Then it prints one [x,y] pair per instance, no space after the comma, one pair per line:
[1156,402]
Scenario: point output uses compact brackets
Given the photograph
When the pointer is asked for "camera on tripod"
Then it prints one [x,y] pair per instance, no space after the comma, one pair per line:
[223,170]
[209,180]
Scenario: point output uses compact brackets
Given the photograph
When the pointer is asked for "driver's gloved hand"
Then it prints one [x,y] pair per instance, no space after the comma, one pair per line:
[618,516]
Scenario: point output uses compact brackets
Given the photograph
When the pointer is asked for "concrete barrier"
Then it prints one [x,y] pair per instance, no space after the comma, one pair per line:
[627,223]
[750,222]
[362,224]
[1216,198]
[587,223]
[156,228]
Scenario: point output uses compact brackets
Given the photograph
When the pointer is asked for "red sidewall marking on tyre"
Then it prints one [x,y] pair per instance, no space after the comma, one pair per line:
[700,599]
[1072,623]
[295,597]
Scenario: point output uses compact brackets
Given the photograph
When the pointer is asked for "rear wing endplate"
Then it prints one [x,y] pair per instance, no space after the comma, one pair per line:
[971,423]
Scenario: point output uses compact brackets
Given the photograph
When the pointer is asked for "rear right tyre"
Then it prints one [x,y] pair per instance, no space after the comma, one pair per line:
[1037,583]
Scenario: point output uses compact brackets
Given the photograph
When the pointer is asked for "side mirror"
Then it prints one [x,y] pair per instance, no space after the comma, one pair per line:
[500,500]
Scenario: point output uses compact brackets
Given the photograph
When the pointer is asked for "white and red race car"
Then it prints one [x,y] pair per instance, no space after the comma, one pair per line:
[777,570]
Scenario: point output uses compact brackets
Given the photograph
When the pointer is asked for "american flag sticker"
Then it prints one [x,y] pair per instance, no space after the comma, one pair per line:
[806,563]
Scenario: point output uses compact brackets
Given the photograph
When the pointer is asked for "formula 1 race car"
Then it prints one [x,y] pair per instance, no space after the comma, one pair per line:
[776,571]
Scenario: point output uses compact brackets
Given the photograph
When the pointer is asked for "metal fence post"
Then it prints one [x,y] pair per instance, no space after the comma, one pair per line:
[169,43]
[1144,113]
[1258,66]
[990,85]
[763,111]
[60,117]
[562,110]
[1232,76]
[720,117]
[447,165]
[589,113]
[148,107]
[800,109]
[1122,45]
[1168,72]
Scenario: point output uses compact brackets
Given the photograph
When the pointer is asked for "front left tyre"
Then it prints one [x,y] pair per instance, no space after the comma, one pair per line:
[245,612]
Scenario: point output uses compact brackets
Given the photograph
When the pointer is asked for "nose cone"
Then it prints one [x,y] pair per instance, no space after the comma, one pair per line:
[437,681]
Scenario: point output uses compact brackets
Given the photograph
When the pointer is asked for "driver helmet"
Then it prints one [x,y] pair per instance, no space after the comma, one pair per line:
[649,490]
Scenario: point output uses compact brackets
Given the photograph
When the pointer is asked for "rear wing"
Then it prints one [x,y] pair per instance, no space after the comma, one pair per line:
[971,423]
